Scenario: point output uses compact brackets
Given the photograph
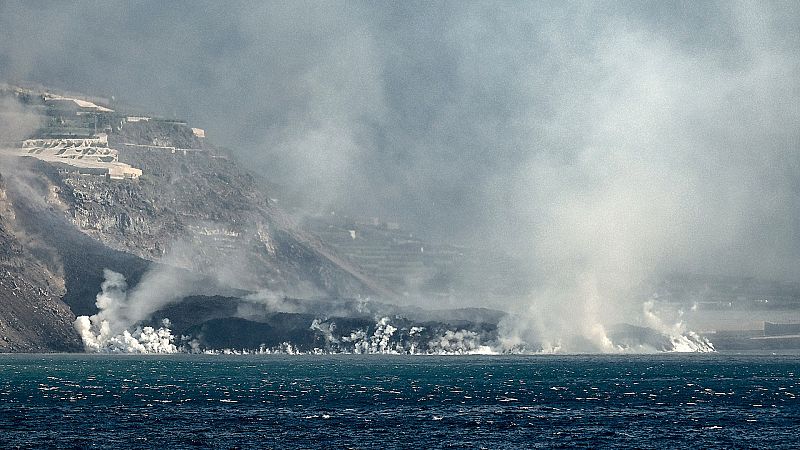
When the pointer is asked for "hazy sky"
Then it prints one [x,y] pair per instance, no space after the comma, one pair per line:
[587,137]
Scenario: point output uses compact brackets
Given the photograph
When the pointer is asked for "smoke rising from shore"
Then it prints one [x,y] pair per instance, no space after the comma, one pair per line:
[603,144]
[119,311]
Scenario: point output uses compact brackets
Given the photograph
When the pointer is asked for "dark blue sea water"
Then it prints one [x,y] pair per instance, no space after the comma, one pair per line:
[184,401]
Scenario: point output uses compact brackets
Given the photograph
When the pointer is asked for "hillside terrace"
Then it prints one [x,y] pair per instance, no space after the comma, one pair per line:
[409,264]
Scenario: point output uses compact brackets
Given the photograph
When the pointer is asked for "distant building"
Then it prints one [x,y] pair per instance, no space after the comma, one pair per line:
[84,155]
[122,171]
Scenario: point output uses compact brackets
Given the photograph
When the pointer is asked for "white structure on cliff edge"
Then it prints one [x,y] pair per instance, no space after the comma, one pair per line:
[85,155]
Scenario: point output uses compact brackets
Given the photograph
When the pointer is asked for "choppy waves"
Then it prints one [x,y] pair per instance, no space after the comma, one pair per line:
[182,401]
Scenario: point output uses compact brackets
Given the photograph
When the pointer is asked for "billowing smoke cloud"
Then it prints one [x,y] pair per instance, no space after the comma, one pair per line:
[677,161]
[602,143]
[118,310]
[445,115]
[121,309]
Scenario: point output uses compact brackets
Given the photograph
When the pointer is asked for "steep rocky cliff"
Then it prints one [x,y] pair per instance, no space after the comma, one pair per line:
[193,210]
[32,315]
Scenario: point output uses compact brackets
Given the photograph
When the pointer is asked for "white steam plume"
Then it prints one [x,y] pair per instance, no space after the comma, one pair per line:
[107,331]
[673,161]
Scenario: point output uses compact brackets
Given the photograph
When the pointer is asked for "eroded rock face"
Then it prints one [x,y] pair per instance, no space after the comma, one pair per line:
[33,318]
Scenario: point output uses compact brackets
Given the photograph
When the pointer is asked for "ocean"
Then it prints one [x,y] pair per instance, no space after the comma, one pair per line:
[389,401]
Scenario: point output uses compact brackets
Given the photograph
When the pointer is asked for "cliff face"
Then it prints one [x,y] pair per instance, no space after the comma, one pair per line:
[33,317]
[193,210]
[206,215]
